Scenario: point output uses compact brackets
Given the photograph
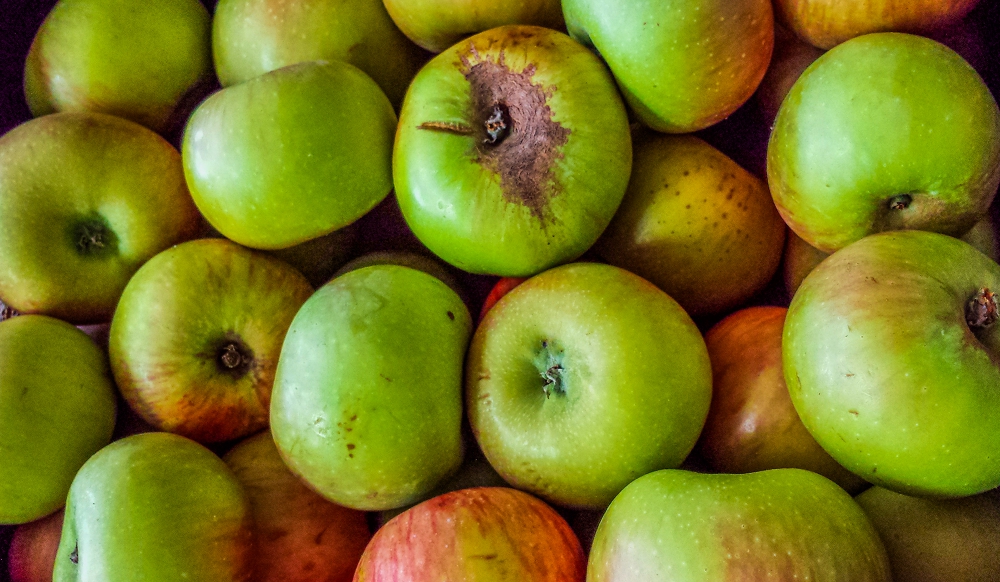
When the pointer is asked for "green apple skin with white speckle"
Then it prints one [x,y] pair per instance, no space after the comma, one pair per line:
[782,524]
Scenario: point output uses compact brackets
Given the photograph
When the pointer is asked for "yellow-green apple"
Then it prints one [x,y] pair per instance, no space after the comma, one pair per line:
[937,540]
[367,401]
[410,259]
[512,153]
[195,339]
[155,507]
[695,224]
[290,155]
[887,131]
[32,554]
[891,354]
[143,60]
[752,425]
[57,408]
[300,537]
[253,37]
[438,24]
[682,65]
[87,199]
[582,350]
[482,533]
[782,524]
[319,258]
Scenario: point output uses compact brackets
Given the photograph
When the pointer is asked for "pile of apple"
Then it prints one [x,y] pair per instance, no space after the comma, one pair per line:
[204,377]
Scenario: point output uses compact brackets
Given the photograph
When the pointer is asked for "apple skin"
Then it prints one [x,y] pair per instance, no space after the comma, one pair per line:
[827,23]
[791,56]
[68,179]
[438,24]
[887,131]
[367,402]
[501,288]
[541,195]
[137,59]
[711,54]
[937,540]
[483,533]
[185,516]
[300,537]
[32,552]
[782,524]
[582,350]
[319,258]
[291,155]
[886,373]
[410,259]
[695,224]
[57,408]
[170,335]
[253,37]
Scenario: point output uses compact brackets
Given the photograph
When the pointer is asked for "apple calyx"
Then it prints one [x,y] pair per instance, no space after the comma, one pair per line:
[94,237]
[498,125]
[234,357]
[901,202]
[982,311]
[549,365]
[7,312]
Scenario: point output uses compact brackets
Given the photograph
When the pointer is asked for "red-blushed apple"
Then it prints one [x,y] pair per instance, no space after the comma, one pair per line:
[195,339]
[32,552]
[512,153]
[695,224]
[752,425]
[791,56]
[300,537]
[502,287]
[87,199]
[581,350]
[483,533]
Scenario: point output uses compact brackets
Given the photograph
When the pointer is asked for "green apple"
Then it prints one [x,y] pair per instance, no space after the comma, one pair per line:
[583,378]
[937,540]
[367,401]
[291,155]
[782,524]
[86,199]
[138,59]
[682,65]
[57,408]
[891,353]
[438,24]
[319,258]
[253,37]
[195,339]
[155,507]
[512,153]
[887,131]
[414,260]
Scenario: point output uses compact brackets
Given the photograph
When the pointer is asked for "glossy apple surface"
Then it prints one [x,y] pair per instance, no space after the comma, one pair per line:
[709,55]
[195,339]
[420,262]
[483,533]
[891,354]
[512,153]
[783,524]
[87,199]
[583,350]
[888,131]
[137,59]
[33,549]
[291,155]
[367,401]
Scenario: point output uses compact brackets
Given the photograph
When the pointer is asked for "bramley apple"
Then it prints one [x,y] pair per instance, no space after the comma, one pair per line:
[512,153]
[887,131]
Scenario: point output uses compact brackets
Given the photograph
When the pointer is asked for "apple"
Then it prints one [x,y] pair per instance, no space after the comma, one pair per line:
[253,37]
[144,60]
[827,23]
[438,24]
[682,65]
[195,339]
[155,507]
[581,351]
[937,540]
[695,224]
[300,537]
[512,153]
[501,288]
[483,533]
[87,199]
[411,259]
[291,155]
[782,524]
[319,258]
[891,353]
[790,58]
[57,408]
[32,552]
[887,131]
[367,400]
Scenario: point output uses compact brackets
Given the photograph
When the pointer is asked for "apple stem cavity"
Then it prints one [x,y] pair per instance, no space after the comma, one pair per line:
[497,125]
[901,202]
[549,365]
[234,358]
[982,311]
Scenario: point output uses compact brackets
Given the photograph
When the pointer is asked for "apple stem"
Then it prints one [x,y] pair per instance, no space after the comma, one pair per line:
[982,311]
[447,127]
[498,125]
